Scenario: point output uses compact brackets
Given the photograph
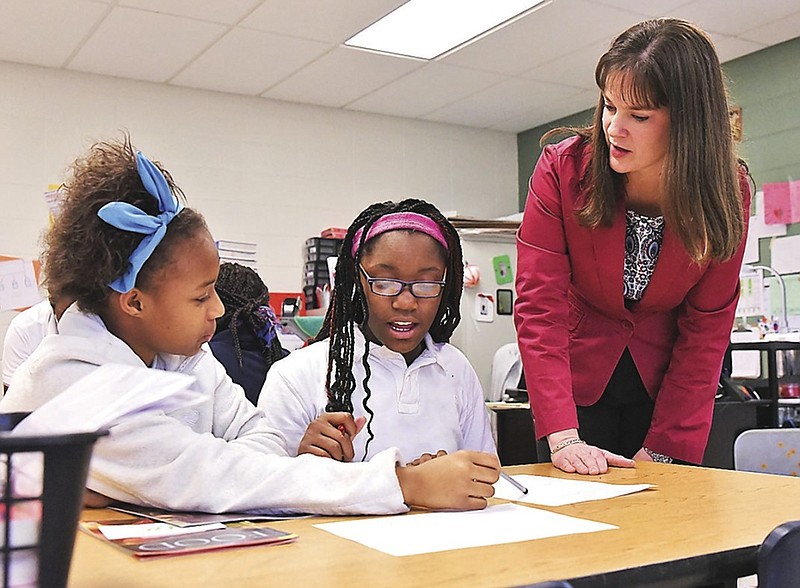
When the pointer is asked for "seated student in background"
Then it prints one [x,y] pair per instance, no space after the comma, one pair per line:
[382,356]
[142,269]
[26,331]
[246,341]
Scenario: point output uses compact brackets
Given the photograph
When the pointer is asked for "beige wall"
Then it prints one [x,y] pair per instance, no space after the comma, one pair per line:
[267,172]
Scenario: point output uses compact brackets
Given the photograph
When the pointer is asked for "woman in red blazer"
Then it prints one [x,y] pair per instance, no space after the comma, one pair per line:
[628,258]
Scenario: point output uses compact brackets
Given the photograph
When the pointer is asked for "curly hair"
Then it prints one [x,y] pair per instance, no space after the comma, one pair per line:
[243,292]
[83,254]
[349,308]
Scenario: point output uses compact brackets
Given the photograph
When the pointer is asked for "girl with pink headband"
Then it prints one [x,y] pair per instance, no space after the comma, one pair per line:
[382,360]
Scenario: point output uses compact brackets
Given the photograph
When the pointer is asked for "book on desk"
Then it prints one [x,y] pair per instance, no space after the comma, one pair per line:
[142,537]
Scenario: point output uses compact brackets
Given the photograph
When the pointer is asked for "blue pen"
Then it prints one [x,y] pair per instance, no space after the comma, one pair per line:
[513,482]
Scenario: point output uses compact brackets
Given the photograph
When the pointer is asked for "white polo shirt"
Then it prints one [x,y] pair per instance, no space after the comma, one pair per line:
[24,334]
[435,403]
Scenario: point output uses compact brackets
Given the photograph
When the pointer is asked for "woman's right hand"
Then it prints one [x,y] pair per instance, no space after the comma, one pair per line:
[578,457]
[459,481]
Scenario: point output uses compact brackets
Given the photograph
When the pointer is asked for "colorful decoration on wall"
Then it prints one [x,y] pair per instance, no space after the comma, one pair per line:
[782,203]
[503,272]
[472,275]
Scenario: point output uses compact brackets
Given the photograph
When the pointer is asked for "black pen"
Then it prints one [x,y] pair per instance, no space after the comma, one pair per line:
[513,482]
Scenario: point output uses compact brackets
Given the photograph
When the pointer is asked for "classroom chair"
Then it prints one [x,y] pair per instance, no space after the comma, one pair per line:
[779,557]
[769,451]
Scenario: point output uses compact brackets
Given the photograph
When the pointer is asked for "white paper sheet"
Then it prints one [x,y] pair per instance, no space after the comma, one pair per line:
[784,256]
[153,530]
[558,492]
[442,531]
[752,252]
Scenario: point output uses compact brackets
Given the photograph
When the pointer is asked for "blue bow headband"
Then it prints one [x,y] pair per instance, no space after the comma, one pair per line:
[128,217]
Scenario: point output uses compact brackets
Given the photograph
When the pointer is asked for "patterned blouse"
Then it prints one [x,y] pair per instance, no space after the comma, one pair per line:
[643,236]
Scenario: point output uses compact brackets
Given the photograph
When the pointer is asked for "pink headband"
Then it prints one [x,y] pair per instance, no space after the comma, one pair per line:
[410,221]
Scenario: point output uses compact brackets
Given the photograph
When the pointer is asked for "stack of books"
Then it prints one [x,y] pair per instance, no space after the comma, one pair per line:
[237,252]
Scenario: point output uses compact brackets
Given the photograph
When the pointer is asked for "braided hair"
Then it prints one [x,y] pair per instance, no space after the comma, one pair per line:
[348,307]
[246,300]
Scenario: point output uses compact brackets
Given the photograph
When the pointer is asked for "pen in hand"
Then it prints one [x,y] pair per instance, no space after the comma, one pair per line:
[513,482]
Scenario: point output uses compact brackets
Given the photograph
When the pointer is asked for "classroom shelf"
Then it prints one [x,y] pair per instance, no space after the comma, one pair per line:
[772,382]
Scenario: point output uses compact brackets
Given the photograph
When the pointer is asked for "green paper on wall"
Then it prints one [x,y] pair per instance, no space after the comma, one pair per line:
[503,272]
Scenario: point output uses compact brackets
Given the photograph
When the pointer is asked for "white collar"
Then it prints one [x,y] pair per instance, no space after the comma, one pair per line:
[429,355]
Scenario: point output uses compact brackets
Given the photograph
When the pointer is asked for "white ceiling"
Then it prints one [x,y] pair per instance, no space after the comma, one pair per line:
[532,71]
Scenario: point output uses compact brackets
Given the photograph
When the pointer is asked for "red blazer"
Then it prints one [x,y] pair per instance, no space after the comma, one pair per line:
[573,326]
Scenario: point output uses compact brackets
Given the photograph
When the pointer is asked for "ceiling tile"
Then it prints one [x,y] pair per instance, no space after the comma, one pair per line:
[45,32]
[261,60]
[291,51]
[549,111]
[341,76]
[323,20]
[154,46]
[574,69]
[646,7]
[425,90]
[779,31]
[501,102]
[729,18]
[542,36]
[729,48]
[227,12]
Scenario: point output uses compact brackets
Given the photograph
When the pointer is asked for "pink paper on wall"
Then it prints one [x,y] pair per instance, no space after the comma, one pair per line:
[782,203]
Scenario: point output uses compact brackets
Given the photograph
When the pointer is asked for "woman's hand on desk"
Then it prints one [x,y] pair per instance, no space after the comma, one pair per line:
[572,455]
[460,481]
[331,435]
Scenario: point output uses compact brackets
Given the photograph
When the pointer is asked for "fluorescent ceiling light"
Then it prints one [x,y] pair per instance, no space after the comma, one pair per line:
[428,28]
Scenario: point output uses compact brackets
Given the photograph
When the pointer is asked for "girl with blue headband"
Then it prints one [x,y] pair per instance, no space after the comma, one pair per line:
[142,270]
[383,358]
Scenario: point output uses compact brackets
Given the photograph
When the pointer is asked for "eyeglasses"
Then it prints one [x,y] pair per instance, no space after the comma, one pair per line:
[392,287]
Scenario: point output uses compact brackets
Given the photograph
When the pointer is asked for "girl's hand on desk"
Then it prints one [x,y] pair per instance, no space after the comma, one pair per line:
[459,481]
[331,435]
[588,459]
[426,457]
[92,499]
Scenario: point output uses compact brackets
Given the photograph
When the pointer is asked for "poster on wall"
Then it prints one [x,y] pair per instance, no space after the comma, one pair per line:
[18,287]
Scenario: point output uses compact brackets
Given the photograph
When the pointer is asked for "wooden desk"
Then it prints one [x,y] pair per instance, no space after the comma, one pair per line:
[700,526]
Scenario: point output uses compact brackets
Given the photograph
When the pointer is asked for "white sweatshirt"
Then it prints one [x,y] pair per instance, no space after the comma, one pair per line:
[435,403]
[220,456]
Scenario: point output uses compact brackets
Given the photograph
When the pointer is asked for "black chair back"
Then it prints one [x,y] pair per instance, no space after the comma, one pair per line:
[779,557]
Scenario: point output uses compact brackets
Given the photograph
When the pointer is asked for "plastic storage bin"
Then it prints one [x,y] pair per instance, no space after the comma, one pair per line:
[40,518]
[316,273]
[319,249]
